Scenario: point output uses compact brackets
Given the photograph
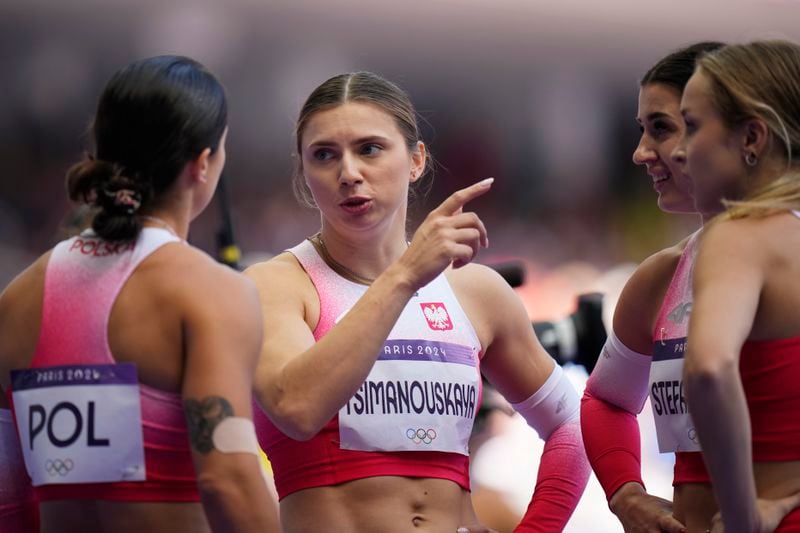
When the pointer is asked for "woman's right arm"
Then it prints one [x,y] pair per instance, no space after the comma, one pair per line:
[222,337]
[300,383]
[615,394]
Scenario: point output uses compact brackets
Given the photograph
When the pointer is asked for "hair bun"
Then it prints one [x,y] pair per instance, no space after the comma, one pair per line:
[85,178]
[120,195]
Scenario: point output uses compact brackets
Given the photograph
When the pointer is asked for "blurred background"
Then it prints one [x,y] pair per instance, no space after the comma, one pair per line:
[541,95]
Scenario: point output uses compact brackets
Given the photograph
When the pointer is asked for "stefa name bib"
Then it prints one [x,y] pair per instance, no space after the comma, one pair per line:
[80,423]
[674,426]
[421,395]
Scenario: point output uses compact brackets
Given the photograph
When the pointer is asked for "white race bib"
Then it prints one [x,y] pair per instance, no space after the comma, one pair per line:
[420,395]
[674,426]
[80,423]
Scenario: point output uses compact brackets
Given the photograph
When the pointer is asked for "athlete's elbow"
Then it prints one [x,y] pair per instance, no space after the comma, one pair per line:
[708,369]
[235,496]
[296,419]
[225,489]
[293,411]
[299,428]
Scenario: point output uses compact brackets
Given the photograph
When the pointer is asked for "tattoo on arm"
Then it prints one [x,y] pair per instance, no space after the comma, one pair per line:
[202,417]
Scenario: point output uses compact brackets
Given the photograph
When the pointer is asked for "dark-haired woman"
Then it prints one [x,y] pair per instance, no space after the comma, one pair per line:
[374,345]
[127,354]
[644,353]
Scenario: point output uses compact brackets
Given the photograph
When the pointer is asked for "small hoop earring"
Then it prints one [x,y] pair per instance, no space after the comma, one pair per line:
[751,159]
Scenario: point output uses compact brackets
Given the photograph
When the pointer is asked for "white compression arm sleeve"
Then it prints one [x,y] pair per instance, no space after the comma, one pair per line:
[555,403]
[621,376]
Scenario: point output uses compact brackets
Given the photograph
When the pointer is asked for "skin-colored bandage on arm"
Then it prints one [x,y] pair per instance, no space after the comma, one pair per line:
[554,404]
[235,434]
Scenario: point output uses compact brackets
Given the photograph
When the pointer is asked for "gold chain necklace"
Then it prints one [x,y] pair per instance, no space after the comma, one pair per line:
[337,267]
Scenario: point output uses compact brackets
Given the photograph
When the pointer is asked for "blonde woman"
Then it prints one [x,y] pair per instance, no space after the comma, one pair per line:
[742,145]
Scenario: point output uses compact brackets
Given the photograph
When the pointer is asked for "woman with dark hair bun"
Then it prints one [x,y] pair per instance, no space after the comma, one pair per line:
[127,354]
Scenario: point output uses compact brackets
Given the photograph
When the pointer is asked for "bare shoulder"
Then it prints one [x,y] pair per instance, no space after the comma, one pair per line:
[278,271]
[653,275]
[780,236]
[483,293]
[751,233]
[642,296]
[720,232]
[287,294]
[755,240]
[283,276]
[476,281]
[192,277]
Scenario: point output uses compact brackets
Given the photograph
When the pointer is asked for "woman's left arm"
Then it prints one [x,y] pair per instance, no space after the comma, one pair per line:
[728,277]
[519,368]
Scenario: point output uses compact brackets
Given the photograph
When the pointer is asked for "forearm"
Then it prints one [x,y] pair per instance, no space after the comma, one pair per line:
[719,410]
[335,366]
[612,441]
[239,503]
[563,474]
[615,393]
[564,470]
[226,458]
[620,498]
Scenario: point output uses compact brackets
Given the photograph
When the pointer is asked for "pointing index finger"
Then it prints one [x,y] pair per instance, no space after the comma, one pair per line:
[456,201]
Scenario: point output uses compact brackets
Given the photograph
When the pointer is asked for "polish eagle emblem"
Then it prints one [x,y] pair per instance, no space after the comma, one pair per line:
[437,316]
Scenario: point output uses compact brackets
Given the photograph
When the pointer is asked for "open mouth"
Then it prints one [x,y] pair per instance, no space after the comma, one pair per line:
[660,178]
[356,204]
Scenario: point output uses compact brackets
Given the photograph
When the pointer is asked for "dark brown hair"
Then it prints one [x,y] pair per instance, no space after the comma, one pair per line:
[154,116]
[676,68]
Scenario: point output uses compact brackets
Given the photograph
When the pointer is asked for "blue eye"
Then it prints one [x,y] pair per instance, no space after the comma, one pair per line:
[323,154]
[371,149]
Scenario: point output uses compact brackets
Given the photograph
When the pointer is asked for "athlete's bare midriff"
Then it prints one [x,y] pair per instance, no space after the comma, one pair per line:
[73,516]
[388,504]
[777,479]
[694,504]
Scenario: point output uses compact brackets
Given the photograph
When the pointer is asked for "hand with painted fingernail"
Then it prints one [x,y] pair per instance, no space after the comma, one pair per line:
[448,235]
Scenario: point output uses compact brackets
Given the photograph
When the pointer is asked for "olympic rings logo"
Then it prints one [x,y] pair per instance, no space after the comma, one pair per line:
[418,436]
[57,466]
